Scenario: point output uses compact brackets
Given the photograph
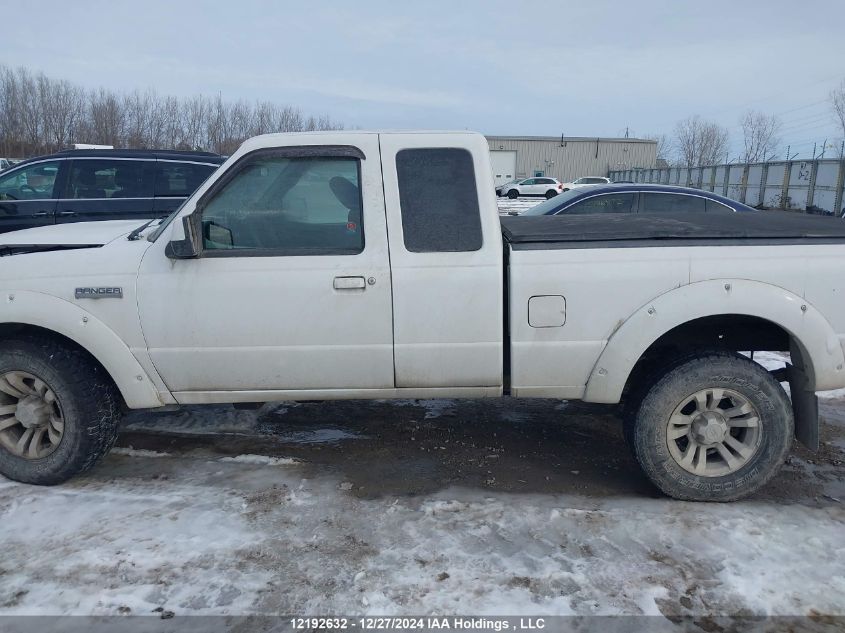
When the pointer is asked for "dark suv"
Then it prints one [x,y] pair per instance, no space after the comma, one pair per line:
[89,185]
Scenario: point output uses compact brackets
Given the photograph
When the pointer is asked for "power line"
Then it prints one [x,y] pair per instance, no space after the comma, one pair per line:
[804,130]
[807,127]
[803,107]
[779,93]
[808,118]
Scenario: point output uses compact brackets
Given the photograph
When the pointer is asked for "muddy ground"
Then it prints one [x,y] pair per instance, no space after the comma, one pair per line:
[471,507]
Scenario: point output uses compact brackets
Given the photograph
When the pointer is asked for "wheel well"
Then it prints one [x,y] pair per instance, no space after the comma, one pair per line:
[732,332]
[20,330]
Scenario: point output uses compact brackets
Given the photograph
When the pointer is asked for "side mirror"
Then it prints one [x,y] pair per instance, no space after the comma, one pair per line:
[185,248]
[218,234]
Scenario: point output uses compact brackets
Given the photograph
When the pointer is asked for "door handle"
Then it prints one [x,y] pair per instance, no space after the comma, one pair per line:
[67,214]
[41,214]
[349,283]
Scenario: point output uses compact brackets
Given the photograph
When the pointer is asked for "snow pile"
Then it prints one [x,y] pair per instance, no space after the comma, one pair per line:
[232,536]
[519,205]
[132,452]
[260,459]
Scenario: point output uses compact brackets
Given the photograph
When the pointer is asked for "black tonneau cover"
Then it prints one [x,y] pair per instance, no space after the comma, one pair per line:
[676,229]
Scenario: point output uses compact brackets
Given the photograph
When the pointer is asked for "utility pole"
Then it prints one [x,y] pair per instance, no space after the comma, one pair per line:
[787,151]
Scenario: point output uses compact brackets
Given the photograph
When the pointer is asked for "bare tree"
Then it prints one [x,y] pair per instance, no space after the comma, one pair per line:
[837,103]
[194,122]
[700,142]
[39,114]
[760,138]
[663,145]
[106,118]
[11,126]
[30,111]
[63,111]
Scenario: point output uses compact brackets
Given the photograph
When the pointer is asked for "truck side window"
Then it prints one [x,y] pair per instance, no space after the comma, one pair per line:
[439,200]
[288,206]
[30,183]
[712,206]
[608,203]
[110,179]
[670,202]
[179,180]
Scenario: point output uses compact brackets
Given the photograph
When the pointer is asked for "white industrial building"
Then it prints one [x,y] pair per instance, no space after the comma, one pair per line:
[567,157]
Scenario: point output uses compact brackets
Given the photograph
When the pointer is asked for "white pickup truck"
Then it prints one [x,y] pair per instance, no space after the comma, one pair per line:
[374,265]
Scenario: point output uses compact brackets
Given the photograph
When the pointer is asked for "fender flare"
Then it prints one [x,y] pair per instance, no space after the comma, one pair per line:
[91,334]
[808,328]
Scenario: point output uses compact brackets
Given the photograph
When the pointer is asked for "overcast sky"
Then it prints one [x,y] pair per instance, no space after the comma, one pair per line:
[580,68]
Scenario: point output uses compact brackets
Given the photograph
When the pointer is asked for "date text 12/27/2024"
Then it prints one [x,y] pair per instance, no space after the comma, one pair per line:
[417,623]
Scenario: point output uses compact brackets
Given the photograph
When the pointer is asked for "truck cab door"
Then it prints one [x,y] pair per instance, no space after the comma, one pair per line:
[291,290]
[446,260]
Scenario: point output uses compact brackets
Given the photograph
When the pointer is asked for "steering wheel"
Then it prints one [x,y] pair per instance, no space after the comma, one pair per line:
[27,188]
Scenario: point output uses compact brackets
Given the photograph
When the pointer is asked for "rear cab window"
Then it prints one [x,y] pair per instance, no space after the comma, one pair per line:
[438,200]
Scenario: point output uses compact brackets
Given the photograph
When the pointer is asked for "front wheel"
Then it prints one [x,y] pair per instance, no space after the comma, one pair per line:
[513,194]
[712,428]
[58,411]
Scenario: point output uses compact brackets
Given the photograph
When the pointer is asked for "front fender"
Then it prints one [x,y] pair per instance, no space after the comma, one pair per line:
[65,318]
[797,316]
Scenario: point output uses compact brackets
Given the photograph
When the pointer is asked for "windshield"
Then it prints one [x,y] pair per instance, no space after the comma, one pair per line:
[152,237]
[553,204]
[160,228]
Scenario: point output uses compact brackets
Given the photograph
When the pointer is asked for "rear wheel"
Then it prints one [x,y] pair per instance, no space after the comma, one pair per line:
[58,411]
[551,193]
[711,428]
[513,194]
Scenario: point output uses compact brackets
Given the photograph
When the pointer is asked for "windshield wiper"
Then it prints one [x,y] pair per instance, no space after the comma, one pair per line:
[137,232]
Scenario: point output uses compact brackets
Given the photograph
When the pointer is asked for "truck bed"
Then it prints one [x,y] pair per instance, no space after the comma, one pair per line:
[610,230]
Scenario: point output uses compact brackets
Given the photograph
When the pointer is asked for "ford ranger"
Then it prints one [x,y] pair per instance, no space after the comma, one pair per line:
[374,265]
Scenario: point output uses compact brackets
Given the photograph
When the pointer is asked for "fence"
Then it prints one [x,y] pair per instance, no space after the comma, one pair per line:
[815,186]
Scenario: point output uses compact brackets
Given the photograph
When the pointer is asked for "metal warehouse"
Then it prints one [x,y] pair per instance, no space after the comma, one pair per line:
[567,157]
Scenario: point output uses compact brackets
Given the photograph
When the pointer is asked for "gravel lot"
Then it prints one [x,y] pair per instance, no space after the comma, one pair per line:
[482,507]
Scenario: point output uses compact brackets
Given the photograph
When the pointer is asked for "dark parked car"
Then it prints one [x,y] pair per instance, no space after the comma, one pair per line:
[636,198]
[88,185]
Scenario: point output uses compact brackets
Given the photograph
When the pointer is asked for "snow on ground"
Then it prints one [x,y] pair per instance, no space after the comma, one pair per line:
[777,360]
[517,206]
[483,507]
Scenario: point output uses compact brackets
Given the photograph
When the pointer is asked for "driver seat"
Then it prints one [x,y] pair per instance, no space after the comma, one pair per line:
[348,194]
